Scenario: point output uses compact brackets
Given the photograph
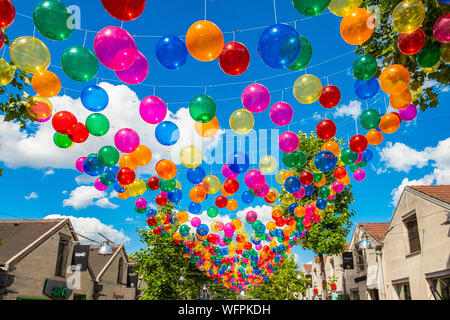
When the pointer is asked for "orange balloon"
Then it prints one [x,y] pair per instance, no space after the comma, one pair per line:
[389,123]
[374,137]
[287,231]
[271,197]
[277,212]
[46,83]
[286,175]
[204,40]
[124,195]
[197,194]
[141,156]
[345,181]
[208,129]
[271,226]
[226,194]
[182,217]
[321,183]
[232,205]
[299,212]
[125,161]
[166,169]
[332,147]
[237,223]
[394,79]
[357,27]
[401,100]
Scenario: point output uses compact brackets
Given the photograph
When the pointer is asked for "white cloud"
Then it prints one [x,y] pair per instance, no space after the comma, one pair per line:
[129,219]
[397,192]
[64,192]
[49,172]
[32,195]
[296,258]
[90,227]
[352,109]
[317,116]
[401,157]
[84,196]
[85,179]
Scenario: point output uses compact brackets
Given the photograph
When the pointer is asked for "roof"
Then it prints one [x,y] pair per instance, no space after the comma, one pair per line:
[316,259]
[439,192]
[19,234]
[307,268]
[376,230]
[98,261]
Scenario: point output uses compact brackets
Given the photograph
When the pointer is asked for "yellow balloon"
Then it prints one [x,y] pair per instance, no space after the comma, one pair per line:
[204,40]
[30,54]
[416,90]
[267,164]
[191,157]
[445,52]
[211,184]
[431,69]
[279,176]
[216,226]
[408,16]
[39,108]
[312,166]
[242,121]
[177,184]
[288,199]
[343,7]
[271,226]
[6,72]
[307,89]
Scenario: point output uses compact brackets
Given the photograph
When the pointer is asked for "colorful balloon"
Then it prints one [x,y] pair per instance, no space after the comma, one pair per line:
[92,166]
[207,129]
[370,119]
[62,140]
[171,52]
[326,129]
[141,156]
[357,27]
[108,155]
[166,169]
[342,8]
[126,140]
[39,108]
[307,89]
[325,161]
[429,56]
[242,121]
[358,143]
[281,113]
[254,179]
[191,157]
[124,10]
[7,13]
[255,98]
[46,83]
[304,57]
[310,8]
[288,142]
[409,113]
[411,43]
[29,54]
[6,72]
[196,175]
[389,123]
[167,133]
[348,156]
[52,18]
[211,184]
[331,146]
[365,67]
[367,89]
[153,110]
[204,40]
[79,63]
[97,124]
[94,98]
[267,164]
[79,133]
[202,108]
[330,97]
[374,137]
[401,100]
[234,59]
[238,162]
[136,72]
[408,16]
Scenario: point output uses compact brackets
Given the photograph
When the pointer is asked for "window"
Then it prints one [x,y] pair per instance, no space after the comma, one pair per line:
[63,253]
[120,271]
[361,263]
[403,291]
[413,234]
[355,295]
[442,288]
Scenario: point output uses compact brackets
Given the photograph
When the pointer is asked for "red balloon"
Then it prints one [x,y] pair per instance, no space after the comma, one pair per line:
[153,183]
[157,231]
[326,129]
[221,201]
[231,186]
[280,222]
[151,221]
[125,176]
[358,143]
[7,13]
[125,10]
[411,43]
[340,172]
[330,97]
[234,59]
[79,134]
[211,238]
[306,178]
[161,199]
[64,122]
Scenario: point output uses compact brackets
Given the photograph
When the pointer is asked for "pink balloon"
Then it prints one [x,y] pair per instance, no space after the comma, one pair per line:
[141,203]
[227,173]
[137,72]
[255,98]
[300,193]
[262,191]
[441,29]
[359,175]
[126,140]
[337,186]
[288,142]
[99,185]
[251,216]
[195,222]
[254,179]
[44,120]
[153,110]
[281,113]
[115,48]
[79,164]
[258,247]
[309,210]
[359,159]
[409,113]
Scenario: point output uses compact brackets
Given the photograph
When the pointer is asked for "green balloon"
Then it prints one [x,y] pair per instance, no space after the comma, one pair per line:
[324,192]
[184,229]
[140,210]
[97,124]
[370,119]
[79,63]
[428,56]
[252,192]
[317,177]
[53,19]
[108,156]
[362,164]
[105,181]
[212,212]
[202,108]
[353,167]
[304,56]
[365,67]
[167,185]
[310,8]
[348,156]
[227,240]
[62,140]
[295,159]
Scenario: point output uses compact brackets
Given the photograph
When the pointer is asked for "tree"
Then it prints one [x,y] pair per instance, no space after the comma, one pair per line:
[383,46]
[328,237]
[284,284]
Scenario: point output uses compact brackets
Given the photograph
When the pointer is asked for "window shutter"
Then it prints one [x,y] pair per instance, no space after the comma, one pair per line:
[413,235]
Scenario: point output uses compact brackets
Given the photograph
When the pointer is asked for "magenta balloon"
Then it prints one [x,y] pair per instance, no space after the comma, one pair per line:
[337,186]
[115,48]
[258,247]
[288,142]
[359,175]
[281,113]
[153,110]
[300,193]
[99,185]
[441,29]
[254,179]
[137,72]
[309,211]
[251,216]
[44,120]
[227,173]
[195,222]
[141,203]
[126,140]
[262,191]
[409,113]
[359,159]
[79,164]
[255,98]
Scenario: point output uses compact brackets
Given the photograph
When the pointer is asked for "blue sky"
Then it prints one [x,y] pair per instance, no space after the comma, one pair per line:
[416,153]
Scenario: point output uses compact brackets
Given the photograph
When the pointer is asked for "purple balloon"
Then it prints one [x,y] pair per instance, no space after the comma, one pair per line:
[441,29]
[359,159]
[141,203]
[79,164]
[254,179]
[115,48]
[137,72]
[409,113]
[288,142]
[255,98]
[262,191]
[227,173]
[126,140]
[153,110]
[300,193]
[281,113]
[359,175]
[99,185]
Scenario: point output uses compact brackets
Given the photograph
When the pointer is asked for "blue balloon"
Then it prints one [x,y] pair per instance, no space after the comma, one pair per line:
[292,207]
[195,175]
[367,89]
[92,166]
[309,190]
[175,195]
[325,161]
[151,213]
[194,208]
[238,162]
[279,46]
[292,184]
[118,188]
[94,98]
[110,174]
[321,204]
[171,52]
[202,230]
[367,155]
[247,197]
[167,133]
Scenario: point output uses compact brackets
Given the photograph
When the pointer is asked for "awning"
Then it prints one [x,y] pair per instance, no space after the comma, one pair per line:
[372,282]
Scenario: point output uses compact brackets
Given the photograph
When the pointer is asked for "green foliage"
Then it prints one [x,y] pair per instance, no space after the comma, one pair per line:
[284,284]
[383,46]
